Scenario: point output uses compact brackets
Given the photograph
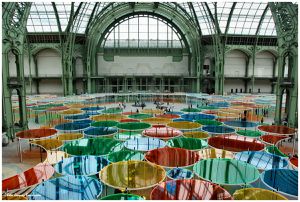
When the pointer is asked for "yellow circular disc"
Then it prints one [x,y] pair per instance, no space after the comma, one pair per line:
[157,120]
[71,111]
[132,175]
[14,197]
[108,117]
[70,136]
[48,144]
[152,111]
[196,134]
[257,194]
[215,153]
[184,125]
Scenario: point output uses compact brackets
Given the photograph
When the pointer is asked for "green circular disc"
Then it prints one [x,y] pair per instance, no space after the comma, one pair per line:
[122,197]
[209,122]
[104,123]
[113,110]
[188,143]
[274,150]
[133,126]
[125,155]
[226,171]
[125,135]
[92,146]
[207,107]
[249,133]
[140,116]
[190,110]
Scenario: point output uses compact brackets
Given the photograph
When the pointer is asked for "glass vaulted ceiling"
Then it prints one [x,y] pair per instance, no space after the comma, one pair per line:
[245,19]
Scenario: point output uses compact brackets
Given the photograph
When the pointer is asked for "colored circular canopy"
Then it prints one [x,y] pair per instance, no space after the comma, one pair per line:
[67,188]
[122,197]
[144,144]
[71,111]
[197,116]
[157,120]
[262,160]
[235,143]
[104,123]
[179,173]
[133,126]
[172,157]
[249,133]
[125,155]
[257,194]
[81,165]
[188,143]
[284,181]
[211,153]
[77,117]
[226,171]
[70,136]
[241,124]
[184,125]
[140,116]
[92,146]
[275,150]
[100,131]
[272,139]
[207,122]
[125,135]
[72,126]
[218,129]
[108,117]
[196,134]
[189,189]
[132,175]
[162,132]
[283,130]
[48,144]
[36,133]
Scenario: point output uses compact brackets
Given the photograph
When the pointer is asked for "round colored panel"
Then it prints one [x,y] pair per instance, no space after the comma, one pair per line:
[104,123]
[162,132]
[262,160]
[235,143]
[133,126]
[152,111]
[125,135]
[157,120]
[114,110]
[284,130]
[168,116]
[273,139]
[72,126]
[210,122]
[48,144]
[184,125]
[14,197]
[108,117]
[140,116]
[77,117]
[211,153]
[187,143]
[218,129]
[67,188]
[92,146]
[144,144]
[226,171]
[189,189]
[196,134]
[191,110]
[128,120]
[249,133]
[284,181]
[100,132]
[125,155]
[81,165]
[36,133]
[241,124]
[92,108]
[197,116]
[69,136]
[71,111]
[132,175]
[172,157]
[257,194]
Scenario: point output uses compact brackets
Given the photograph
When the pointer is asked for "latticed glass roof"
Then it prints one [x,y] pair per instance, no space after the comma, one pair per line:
[241,18]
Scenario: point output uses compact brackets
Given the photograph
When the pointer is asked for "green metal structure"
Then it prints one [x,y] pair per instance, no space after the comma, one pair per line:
[81,29]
